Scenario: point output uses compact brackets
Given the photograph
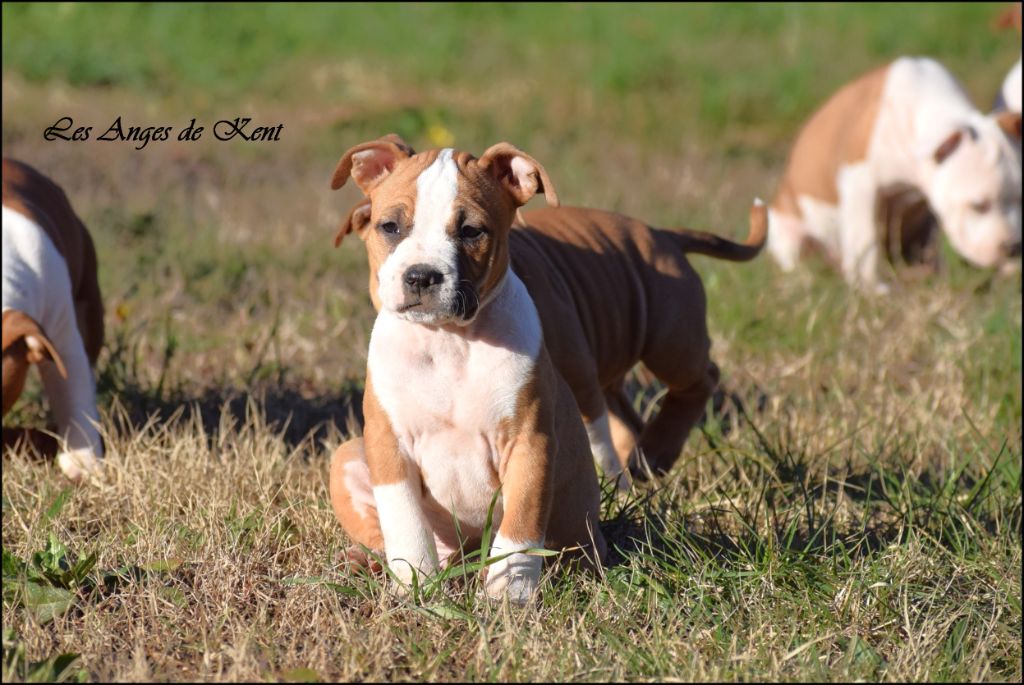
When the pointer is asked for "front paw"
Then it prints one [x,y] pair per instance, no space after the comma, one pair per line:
[404,575]
[80,465]
[516,577]
[879,289]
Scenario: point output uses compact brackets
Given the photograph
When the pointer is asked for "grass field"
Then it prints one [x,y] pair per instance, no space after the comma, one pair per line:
[861,518]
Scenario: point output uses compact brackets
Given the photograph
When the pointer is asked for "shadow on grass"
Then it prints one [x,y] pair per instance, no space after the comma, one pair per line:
[293,409]
[783,507]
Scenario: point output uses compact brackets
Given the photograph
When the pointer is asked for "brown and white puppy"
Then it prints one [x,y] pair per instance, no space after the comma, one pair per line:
[461,398]
[909,122]
[52,310]
[612,291]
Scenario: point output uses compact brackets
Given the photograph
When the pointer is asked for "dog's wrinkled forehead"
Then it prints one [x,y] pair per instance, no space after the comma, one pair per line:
[428,187]
[437,187]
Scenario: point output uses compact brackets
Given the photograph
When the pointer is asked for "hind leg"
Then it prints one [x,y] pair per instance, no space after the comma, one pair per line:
[353,502]
[600,423]
[785,238]
[624,422]
[662,439]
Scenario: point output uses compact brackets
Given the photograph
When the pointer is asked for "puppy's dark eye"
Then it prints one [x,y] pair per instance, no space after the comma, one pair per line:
[389,228]
[981,207]
[468,232]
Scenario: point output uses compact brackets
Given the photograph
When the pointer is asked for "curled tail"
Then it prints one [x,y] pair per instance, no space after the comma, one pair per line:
[700,242]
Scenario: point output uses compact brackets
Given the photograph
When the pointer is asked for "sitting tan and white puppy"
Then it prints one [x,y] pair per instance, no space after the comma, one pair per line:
[909,122]
[461,397]
[52,310]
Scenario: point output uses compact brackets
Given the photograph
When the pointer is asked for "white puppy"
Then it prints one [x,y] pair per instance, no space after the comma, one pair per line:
[910,123]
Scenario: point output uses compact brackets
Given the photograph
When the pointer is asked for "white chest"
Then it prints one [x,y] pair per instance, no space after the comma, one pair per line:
[449,395]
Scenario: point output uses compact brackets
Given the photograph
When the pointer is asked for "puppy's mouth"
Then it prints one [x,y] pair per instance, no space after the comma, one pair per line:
[460,309]
[426,312]
[467,302]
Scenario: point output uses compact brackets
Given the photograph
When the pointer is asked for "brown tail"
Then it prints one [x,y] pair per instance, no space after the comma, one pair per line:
[700,242]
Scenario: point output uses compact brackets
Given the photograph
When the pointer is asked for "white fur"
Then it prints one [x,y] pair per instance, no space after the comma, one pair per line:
[517,575]
[36,282]
[1012,88]
[428,242]
[447,393]
[408,541]
[819,220]
[785,238]
[858,242]
[921,105]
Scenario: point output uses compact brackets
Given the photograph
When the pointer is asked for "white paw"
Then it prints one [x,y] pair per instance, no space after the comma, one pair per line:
[871,287]
[79,465]
[1009,267]
[403,574]
[516,577]
[880,288]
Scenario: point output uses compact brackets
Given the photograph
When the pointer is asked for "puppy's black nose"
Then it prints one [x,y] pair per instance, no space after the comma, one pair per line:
[421,277]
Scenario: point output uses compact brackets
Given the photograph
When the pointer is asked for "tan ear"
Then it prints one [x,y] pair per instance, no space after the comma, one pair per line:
[1010,123]
[357,220]
[519,173]
[19,326]
[948,146]
[370,163]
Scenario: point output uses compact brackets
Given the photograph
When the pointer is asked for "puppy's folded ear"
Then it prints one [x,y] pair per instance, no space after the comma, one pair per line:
[520,174]
[20,328]
[948,146]
[357,220]
[1010,123]
[370,163]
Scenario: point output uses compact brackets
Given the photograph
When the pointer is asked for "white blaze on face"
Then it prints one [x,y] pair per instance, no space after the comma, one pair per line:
[428,242]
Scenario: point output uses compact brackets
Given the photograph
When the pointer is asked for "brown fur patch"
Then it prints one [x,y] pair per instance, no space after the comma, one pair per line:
[363,527]
[1010,17]
[386,462]
[837,134]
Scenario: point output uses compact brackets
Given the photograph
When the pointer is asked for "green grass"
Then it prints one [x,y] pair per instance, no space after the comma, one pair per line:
[624,57]
[859,518]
